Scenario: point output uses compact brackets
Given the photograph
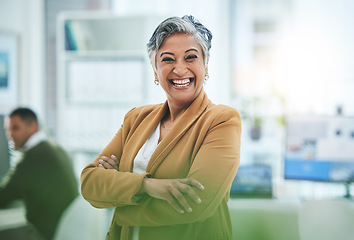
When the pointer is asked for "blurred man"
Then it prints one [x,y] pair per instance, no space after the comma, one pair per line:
[43,178]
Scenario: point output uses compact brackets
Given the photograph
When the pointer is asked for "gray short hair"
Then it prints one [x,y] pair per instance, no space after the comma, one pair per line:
[186,24]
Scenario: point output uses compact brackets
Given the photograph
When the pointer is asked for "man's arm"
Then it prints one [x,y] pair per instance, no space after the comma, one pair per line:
[11,187]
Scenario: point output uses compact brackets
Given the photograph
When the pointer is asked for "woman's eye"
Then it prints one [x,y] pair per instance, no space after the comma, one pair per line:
[191,57]
[168,59]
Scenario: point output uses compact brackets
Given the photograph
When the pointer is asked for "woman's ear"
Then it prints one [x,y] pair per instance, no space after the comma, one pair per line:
[156,81]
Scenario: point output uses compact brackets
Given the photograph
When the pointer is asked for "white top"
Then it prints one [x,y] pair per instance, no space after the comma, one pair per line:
[34,140]
[31,142]
[142,159]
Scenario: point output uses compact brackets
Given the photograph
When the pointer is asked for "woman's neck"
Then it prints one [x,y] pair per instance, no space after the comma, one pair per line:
[172,115]
[175,112]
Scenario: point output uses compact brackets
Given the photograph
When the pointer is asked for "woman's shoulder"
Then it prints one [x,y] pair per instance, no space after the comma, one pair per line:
[214,115]
[142,110]
[220,110]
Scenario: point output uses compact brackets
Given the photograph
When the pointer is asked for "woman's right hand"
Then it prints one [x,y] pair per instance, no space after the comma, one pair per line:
[173,191]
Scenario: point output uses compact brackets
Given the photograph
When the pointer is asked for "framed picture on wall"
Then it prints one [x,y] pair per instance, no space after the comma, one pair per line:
[8,70]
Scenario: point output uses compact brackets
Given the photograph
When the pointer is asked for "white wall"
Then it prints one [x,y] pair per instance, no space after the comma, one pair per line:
[25,18]
[323,31]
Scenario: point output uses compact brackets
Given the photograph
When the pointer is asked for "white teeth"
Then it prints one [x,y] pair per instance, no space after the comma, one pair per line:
[181,82]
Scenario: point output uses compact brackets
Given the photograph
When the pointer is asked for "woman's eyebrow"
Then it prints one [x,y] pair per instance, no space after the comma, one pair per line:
[192,49]
[166,53]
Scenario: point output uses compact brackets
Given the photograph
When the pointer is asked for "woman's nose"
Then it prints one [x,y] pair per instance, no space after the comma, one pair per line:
[180,69]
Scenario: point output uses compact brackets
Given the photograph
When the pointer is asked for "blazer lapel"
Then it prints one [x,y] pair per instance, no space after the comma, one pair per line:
[142,132]
[192,113]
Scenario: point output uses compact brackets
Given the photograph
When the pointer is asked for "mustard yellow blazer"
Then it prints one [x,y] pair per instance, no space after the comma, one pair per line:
[204,144]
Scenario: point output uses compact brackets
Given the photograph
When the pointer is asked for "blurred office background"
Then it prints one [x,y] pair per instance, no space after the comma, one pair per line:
[270,59]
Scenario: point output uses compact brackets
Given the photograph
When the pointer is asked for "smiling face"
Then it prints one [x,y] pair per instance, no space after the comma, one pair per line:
[180,69]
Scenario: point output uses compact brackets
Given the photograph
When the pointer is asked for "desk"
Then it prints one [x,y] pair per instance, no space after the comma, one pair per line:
[12,217]
[264,219]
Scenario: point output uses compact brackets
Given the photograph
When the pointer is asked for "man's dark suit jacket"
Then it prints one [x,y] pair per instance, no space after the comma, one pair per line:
[44,179]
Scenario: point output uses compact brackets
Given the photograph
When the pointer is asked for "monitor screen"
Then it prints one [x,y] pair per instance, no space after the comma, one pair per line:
[4,150]
[319,148]
[252,181]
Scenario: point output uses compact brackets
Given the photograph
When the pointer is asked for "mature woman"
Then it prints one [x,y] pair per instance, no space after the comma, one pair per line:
[169,169]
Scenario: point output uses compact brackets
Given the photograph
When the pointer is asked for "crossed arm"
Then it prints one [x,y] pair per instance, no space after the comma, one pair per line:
[174,191]
[214,165]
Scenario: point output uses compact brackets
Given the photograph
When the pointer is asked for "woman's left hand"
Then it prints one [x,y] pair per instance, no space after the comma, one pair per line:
[174,191]
[109,163]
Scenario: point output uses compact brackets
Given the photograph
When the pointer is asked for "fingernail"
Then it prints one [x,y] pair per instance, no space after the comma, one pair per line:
[100,160]
[189,209]
[199,200]
[181,211]
[202,187]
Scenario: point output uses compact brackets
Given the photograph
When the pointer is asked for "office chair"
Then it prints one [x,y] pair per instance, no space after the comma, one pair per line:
[326,220]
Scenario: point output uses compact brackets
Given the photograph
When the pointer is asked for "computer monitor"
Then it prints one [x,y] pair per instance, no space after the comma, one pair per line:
[319,148]
[4,150]
[252,181]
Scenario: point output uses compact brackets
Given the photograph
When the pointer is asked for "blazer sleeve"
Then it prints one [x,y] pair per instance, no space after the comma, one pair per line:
[104,188]
[215,166]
